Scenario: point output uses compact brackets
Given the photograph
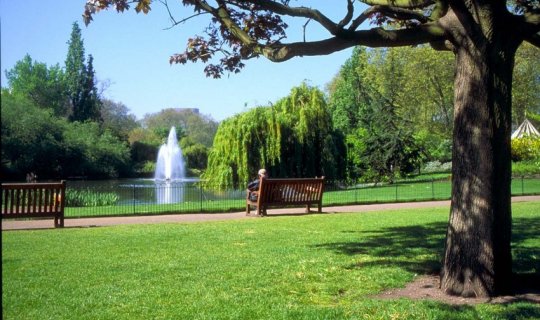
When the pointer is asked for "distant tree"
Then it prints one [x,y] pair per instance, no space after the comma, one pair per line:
[117,118]
[80,81]
[366,100]
[43,85]
[199,128]
[90,104]
[94,153]
[347,92]
[196,156]
[389,146]
[75,70]
[526,90]
[144,145]
[32,138]
[35,140]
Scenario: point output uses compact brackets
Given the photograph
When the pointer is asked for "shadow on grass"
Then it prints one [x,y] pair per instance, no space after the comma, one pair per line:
[415,248]
[419,249]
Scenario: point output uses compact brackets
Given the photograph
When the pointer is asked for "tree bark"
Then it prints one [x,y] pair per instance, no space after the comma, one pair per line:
[477,259]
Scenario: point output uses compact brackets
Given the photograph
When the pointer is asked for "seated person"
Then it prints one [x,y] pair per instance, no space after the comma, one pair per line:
[253,186]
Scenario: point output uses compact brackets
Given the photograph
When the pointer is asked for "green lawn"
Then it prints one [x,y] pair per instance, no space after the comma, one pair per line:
[320,266]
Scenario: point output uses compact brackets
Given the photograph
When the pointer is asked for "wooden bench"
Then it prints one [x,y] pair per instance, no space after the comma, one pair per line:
[34,200]
[286,192]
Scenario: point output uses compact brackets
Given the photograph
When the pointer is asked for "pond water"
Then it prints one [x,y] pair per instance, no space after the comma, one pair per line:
[150,191]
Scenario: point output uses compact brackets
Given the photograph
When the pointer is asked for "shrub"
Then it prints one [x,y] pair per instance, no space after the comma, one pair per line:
[89,198]
[527,148]
[436,166]
[526,168]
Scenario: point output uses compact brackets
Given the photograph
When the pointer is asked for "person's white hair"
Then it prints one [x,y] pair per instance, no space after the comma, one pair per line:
[262,172]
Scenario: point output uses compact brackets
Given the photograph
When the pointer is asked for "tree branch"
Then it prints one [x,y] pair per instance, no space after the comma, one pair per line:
[531,28]
[348,17]
[302,12]
[409,4]
[377,37]
[402,14]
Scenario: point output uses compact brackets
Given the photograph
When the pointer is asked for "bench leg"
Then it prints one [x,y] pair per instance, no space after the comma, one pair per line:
[247,209]
[308,208]
[58,222]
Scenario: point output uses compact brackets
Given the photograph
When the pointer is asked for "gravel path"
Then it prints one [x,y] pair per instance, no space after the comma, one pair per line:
[9,224]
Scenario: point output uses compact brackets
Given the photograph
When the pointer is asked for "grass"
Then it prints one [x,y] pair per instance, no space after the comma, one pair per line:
[296,267]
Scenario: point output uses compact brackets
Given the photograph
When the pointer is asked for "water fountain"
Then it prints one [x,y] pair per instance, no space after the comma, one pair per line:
[170,162]
[170,171]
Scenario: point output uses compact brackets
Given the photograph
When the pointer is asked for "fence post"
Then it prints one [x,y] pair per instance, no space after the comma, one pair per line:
[432,189]
[133,199]
[396,192]
[201,197]
[522,185]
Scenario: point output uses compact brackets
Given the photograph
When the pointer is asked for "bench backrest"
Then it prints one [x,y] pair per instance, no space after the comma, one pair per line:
[291,191]
[33,199]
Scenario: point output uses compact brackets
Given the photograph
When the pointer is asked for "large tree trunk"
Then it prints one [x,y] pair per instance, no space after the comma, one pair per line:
[477,259]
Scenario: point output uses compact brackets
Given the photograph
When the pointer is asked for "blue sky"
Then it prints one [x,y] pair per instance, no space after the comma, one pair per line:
[131,56]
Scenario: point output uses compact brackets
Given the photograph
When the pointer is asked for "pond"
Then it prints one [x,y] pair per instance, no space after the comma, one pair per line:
[150,191]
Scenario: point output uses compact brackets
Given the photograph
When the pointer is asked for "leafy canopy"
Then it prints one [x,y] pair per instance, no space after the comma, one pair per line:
[245,29]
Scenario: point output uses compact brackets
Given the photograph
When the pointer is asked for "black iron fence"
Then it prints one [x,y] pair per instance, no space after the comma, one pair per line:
[84,199]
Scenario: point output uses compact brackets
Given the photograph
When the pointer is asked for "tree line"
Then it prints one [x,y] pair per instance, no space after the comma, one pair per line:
[57,124]
[385,114]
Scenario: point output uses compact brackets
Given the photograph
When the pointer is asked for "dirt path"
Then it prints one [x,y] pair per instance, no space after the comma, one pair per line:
[198,217]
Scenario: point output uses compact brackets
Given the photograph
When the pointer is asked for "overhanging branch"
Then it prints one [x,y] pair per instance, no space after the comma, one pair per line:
[377,37]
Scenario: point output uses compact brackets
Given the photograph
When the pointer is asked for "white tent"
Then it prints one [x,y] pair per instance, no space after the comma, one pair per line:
[526,129]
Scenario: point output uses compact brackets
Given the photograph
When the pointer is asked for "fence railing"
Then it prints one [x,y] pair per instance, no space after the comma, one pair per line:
[133,199]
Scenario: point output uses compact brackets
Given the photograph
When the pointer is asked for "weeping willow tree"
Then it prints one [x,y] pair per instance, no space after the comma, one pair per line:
[292,138]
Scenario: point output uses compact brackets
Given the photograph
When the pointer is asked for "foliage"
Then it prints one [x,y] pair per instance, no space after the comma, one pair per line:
[347,92]
[418,100]
[526,168]
[44,86]
[365,104]
[88,198]
[390,149]
[81,87]
[526,84]
[93,153]
[526,148]
[280,138]
[30,133]
[196,156]
[35,140]
[117,119]
[436,147]
[188,122]
[425,92]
